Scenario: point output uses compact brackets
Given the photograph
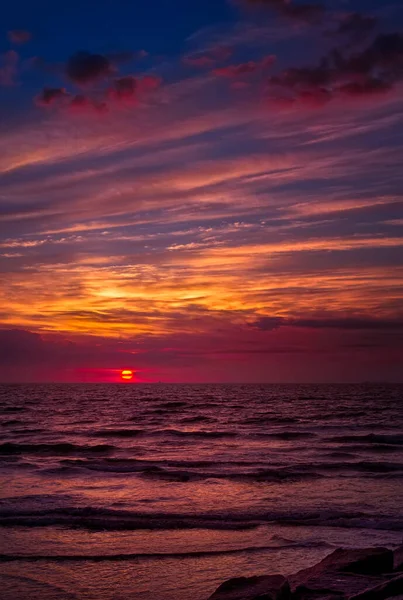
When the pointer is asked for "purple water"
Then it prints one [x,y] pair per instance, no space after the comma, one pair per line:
[144,491]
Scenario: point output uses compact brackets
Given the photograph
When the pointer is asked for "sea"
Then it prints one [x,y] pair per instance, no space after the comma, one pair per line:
[154,491]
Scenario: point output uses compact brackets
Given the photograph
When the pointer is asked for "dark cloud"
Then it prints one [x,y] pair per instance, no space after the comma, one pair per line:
[51,96]
[19,36]
[84,68]
[130,89]
[356,24]
[268,323]
[350,323]
[367,87]
[18,345]
[347,323]
[374,69]
[307,12]
[81,103]
[124,88]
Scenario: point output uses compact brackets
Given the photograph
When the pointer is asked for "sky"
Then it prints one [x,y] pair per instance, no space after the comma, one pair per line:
[205,191]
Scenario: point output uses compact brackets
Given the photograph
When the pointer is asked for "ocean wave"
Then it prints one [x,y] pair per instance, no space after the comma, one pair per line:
[56,449]
[159,555]
[253,471]
[105,519]
[123,433]
[197,419]
[371,438]
[175,404]
[289,435]
[196,434]
[188,471]
[12,422]
[259,419]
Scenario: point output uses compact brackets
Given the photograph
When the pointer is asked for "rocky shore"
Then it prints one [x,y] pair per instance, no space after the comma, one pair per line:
[362,574]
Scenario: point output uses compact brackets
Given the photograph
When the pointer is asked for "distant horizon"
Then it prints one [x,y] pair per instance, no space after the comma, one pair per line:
[156,383]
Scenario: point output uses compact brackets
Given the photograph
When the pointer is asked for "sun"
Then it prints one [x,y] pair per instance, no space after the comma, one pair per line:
[126,375]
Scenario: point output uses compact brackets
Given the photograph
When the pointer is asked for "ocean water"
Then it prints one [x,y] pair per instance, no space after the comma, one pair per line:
[114,492]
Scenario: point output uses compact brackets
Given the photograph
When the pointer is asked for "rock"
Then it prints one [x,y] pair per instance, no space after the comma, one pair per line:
[369,561]
[342,574]
[334,585]
[363,574]
[398,559]
[265,587]
[391,588]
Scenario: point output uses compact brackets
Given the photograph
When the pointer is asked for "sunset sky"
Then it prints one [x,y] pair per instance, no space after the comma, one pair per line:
[201,191]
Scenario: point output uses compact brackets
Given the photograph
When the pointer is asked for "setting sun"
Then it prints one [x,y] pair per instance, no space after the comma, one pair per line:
[126,374]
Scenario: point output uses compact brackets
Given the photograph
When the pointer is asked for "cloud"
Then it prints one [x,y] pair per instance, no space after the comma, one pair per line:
[51,96]
[267,323]
[124,88]
[345,323]
[244,69]
[149,82]
[130,89]
[209,58]
[83,104]
[8,68]
[308,12]
[201,61]
[19,36]
[84,68]
[373,70]
[355,24]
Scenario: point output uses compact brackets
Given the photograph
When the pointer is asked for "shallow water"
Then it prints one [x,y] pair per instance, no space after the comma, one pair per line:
[133,491]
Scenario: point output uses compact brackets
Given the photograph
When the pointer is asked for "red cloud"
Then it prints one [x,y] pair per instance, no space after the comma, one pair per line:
[8,68]
[233,71]
[149,82]
[19,36]
[201,61]
[209,58]
[84,104]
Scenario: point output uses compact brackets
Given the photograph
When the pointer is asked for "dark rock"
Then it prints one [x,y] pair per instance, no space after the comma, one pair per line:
[391,588]
[398,559]
[266,587]
[363,574]
[333,584]
[368,561]
[342,574]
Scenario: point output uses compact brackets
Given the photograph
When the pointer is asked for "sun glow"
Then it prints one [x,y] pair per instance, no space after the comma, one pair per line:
[126,375]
